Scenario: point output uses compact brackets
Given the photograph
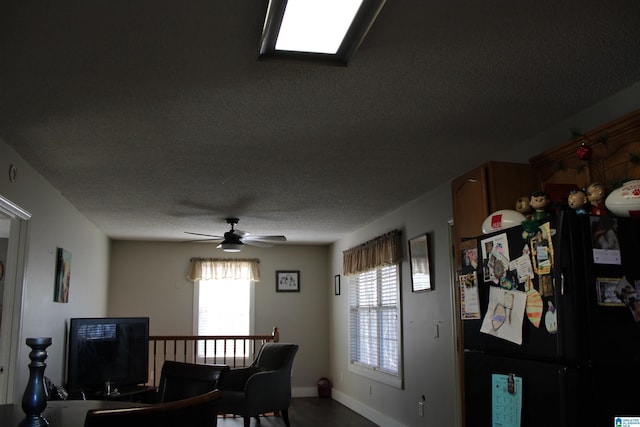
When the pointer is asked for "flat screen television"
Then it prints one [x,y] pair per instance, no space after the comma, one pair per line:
[113,349]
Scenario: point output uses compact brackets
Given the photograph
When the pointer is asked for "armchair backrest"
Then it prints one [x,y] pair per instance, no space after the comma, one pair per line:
[180,380]
[265,386]
[199,411]
[275,355]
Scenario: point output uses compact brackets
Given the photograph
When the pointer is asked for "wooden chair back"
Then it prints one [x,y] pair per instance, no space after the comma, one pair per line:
[199,411]
[181,380]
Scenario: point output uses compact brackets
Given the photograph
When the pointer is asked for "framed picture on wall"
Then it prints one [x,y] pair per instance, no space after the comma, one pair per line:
[287,281]
[63,276]
[419,261]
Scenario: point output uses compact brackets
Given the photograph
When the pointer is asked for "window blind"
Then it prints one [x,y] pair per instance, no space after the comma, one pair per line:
[374,305]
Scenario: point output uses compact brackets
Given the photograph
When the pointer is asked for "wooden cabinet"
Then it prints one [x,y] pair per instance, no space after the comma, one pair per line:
[615,159]
[486,189]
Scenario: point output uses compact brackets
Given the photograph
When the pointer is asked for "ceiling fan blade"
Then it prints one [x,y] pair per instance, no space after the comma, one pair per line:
[213,237]
[265,238]
[257,243]
[201,241]
[240,233]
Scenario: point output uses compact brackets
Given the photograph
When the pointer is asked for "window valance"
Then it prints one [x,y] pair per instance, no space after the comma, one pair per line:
[381,251]
[224,268]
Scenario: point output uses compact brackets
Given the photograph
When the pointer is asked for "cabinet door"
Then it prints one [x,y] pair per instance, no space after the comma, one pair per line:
[486,189]
[508,182]
[470,203]
[615,158]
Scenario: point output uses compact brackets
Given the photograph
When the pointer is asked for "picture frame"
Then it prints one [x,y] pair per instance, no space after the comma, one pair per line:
[288,281]
[419,263]
[336,284]
[605,240]
[63,276]
[609,291]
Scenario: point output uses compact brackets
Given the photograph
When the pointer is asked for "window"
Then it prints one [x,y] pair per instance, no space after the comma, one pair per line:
[317,27]
[233,317]
[317,30]
[375,313]
[223,304]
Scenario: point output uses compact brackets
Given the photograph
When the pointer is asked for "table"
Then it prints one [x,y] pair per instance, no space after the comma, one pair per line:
[144,394]
[61,413]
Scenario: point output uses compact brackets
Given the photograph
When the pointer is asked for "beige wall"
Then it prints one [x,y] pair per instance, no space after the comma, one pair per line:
[55,222]
[149,279]
[427,319]
[429,360]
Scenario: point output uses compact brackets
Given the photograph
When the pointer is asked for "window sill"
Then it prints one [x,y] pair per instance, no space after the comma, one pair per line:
[382,377]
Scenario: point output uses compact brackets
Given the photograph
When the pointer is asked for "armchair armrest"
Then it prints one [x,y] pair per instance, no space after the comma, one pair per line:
[268,390]
[235,379]
[265,380]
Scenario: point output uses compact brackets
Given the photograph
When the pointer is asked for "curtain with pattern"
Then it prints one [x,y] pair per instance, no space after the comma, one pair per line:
[223,268]
[381,251]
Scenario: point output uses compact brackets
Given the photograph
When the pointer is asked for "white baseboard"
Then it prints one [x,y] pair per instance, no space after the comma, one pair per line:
[304,392]
[364,410]
[355,405]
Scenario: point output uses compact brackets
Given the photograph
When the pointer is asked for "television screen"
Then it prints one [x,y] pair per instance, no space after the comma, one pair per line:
[113,349]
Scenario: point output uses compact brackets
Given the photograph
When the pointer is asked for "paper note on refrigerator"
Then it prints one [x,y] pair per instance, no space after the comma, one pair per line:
[469,297]
[505,314]
[522,265]
[506,400]
[627,421]
[606,247]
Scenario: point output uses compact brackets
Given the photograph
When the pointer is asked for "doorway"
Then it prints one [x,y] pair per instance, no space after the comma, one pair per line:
[5,223]
[14,227]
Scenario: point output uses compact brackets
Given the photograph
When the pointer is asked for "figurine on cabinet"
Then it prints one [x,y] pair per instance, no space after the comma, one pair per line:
[596,196]
[539,202]
[577,200]
[523,205]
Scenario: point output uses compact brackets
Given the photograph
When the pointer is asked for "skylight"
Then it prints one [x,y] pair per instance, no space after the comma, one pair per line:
[316,26]
[317,30]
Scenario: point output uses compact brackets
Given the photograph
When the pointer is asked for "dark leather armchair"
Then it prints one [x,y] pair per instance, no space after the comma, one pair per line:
[180,380]
[263,387]
[201,411]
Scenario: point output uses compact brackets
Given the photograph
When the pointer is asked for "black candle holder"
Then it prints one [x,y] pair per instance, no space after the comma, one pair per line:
[34,400]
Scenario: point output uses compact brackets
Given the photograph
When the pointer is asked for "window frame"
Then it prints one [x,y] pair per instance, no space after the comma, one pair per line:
[376,372]
[196,312]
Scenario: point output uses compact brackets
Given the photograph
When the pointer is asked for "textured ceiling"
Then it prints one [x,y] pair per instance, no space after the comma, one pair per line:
[155,117]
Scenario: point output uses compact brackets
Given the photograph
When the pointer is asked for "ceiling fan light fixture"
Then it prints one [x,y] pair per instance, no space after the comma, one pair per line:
[233,240]
[231,247]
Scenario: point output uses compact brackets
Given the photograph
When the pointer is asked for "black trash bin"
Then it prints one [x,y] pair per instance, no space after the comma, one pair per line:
[324,387]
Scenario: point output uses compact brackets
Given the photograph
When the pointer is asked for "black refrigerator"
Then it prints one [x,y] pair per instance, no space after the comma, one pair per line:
[550,333]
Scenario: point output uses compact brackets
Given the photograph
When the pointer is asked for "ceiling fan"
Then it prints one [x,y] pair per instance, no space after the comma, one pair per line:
[233,240]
